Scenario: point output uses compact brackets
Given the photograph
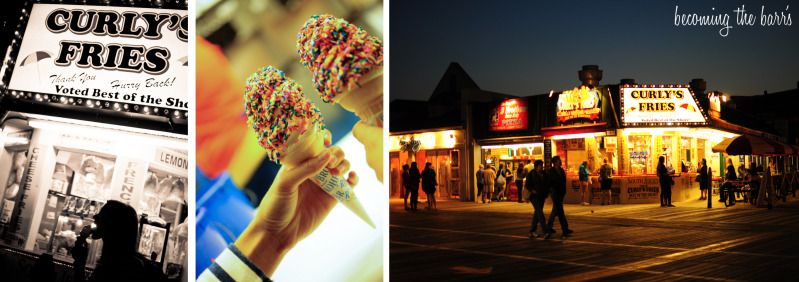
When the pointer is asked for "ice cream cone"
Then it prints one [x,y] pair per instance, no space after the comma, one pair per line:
[366,101]
[292,130]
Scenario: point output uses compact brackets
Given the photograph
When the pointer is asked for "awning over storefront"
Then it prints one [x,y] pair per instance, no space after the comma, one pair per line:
[753,145]
[574,129]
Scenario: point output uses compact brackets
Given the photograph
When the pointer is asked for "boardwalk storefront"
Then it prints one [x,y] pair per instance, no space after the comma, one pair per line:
[93,109]
[628,124]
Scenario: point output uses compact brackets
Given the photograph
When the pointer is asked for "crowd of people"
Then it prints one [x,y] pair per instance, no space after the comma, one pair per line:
[535,184]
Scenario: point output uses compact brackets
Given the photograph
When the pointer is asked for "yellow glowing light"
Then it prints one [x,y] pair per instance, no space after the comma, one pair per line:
[445,139]
[577,136]
[654,130]
[514,146]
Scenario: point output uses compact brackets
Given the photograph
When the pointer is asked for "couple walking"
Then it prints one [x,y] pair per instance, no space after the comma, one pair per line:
[540,184]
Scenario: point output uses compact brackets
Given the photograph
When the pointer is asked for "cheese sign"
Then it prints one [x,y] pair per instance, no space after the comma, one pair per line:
[509,115]
[660,106]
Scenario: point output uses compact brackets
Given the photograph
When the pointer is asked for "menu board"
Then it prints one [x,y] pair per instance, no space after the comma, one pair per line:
[509,115]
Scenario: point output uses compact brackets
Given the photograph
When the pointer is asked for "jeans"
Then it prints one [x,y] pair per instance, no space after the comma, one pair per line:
[414,198]
[557,211]
[538,215]
[665,195]
[519,188]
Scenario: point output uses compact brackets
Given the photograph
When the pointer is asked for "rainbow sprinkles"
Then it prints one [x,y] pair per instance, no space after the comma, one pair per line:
[337,53]
[277,110]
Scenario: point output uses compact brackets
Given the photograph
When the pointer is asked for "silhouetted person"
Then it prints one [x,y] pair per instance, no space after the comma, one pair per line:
[480,182]
[605,182]
[117,225]
[556,177]
[537,187]
[44,269]
[500,182]
[489,176]
[727,189]
[429,185]
[665,183]
[705,175]
[520,175]
[406,190]
[414,177]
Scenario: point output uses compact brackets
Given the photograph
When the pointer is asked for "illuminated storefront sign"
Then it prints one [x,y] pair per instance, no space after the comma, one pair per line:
[445,139]
[662,105]
[578,103]
[509,115]
[117,55]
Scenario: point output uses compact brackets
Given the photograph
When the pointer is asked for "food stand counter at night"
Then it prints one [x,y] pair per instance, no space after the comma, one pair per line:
[83,122]
[656,120]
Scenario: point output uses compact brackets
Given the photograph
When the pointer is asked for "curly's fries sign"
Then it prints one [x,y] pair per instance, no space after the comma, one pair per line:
[579,103]
[660,106]
[117,54]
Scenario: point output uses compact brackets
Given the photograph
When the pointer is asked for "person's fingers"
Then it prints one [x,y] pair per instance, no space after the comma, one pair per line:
[328,138]
[352,179]
[338,157]
[342,167]
[310,167]
[369,136]
[372,139]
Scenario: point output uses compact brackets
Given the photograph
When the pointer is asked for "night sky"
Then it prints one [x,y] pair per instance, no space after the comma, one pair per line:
[524,48]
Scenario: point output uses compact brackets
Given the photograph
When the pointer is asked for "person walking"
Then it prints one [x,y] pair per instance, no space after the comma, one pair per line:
[584,183]
[480,182]
[520,175]
[406,184]
[527,169]
[537,188]
[429,185]
[489,175]
[605,182]
[556,177]
[500,182]
[665,183]
[414,177]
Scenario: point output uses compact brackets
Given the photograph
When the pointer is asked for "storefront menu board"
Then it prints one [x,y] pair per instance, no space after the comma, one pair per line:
[581,103]
[116,54]
[660,105]
[511,114]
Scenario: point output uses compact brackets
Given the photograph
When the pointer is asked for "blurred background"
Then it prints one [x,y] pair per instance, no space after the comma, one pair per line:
[234,39]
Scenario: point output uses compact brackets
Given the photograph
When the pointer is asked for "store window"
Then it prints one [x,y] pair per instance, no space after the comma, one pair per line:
[685,155]
[700,151]
[512,155]
[640,154]
[57,177]
[80,186]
